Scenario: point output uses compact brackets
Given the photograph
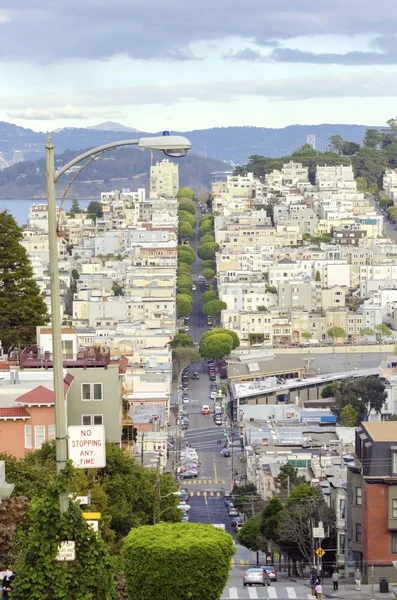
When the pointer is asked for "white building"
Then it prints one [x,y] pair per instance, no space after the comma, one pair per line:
[164,179]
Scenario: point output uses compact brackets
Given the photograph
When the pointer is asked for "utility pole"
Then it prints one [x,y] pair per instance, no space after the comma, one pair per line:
[143,437]
[287,487]
[157,494]
[231,436]
[252,506]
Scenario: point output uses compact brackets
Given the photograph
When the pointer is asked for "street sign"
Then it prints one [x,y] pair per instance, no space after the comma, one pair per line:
[94,525]
[318,532]
[95,516]
[87,446]
[66,551]
[320,552]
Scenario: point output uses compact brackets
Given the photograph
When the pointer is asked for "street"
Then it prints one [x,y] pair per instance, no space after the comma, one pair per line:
[283,589]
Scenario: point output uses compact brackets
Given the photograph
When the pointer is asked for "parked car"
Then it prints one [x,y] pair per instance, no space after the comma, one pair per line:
[205,409]
[186,327]
[196,375]
[233,512]
[255,576]
[225,452]
[212,377]
[193,288]
[185,400]
[238,526]
[189,474]
[228,502]
[236,520]
[271,571]
[184,495]
[185,395]
[185,386]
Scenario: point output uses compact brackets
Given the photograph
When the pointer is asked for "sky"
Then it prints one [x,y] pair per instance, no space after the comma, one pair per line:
[196,64]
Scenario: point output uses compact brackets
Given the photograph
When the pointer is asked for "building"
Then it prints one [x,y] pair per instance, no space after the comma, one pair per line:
[164,179]
[372,501]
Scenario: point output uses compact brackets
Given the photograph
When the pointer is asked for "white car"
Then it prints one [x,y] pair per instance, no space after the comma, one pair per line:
[186,327]
[185,400]
[193,288]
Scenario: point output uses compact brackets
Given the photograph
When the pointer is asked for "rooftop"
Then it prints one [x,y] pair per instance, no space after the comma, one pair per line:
[382,431]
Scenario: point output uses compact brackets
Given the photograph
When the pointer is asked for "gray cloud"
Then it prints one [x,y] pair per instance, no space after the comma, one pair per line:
[247,54]
[154,29]
[386,54]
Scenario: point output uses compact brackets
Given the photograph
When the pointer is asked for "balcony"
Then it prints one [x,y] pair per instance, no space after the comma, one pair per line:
[33,357]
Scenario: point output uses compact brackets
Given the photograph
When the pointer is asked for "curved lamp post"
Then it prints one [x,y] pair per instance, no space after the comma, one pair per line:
[174,146]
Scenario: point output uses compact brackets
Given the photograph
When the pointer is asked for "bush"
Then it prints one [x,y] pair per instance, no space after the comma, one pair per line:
[185,257]
[209,264]
[185,193]
[183,269]
[208,296]
[207,251]
[205,229]
[174,561]
[328,391]
[208,274]
[208,237]
[187,207]
[186,217]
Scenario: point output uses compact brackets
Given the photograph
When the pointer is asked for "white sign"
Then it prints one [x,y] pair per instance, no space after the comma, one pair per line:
[94,525]
[66,551]
[87,446]
[318,532]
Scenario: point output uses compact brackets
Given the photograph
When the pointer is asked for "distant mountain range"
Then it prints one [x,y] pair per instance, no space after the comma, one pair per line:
[232,145]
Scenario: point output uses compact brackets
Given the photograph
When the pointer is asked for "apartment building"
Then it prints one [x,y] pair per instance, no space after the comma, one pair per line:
[164,179]
[390,184]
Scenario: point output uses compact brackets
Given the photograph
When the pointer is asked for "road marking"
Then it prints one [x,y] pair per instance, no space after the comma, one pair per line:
[272,592]
[205,498]
[215,473]
[211,493]
[252,592]
[233,593]
[197,493]
[291,592]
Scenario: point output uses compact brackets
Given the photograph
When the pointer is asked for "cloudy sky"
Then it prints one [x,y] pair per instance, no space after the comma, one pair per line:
[192,64]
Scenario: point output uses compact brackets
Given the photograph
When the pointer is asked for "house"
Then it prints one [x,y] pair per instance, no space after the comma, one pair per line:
[372,500]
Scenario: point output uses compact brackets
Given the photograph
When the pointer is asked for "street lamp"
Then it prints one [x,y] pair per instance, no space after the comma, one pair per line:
[159,498]
[172,145]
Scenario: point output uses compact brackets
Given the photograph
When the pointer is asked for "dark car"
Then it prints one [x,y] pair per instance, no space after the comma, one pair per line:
[195,375]
[212,377]
[189,474]
[226,452]
[237,520]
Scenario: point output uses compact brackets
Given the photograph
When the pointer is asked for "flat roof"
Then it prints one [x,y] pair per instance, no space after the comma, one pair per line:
[381,431]
[274,365]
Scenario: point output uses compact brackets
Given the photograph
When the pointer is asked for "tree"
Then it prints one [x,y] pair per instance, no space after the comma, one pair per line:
[206,218]
[117,289]
[392,212]
[75,208]
[183,305]
[187,249]
[364,394]
[382,330]
[262,308]
[372,138]
[328,391]
[307,335]
[185,193]
[232,334]
[386,202]
[337,143]
[22,308]
[214,308]
[209,264]
[183,269]
[348,417]
[181,340]
[208,296]
[75,274]
[170,562]
[208,251]
[207,238]
[185,257]
[336,333]
[350,148]
[40,575]
[95,208]
[182,358]
[186,217]
[205,229]
[318,276]
[250,535]
[187,208]
[287,480]
[370,163]
[270,520]
[215,347]
[366,331]
[208,274]
[270,289]
[185,230]
[185,281]
[362,185]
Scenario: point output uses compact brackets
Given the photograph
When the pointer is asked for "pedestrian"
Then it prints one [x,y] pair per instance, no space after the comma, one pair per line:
[7,583]
[335,579]
[313,581]
[358,579]
[319,589]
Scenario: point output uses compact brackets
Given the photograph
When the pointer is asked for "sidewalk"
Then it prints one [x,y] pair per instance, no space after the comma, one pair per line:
[347,589]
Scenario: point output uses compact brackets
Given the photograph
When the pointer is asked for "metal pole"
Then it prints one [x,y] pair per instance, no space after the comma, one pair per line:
[142,438]
[157,497]
[59,398]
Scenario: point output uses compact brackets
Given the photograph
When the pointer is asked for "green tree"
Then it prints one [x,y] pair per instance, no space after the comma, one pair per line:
[392,212]
[370,163]
[372,138]
[336,333]
[208,251]
[337,143]
[366,331]
[183,269]
[208,296]
[209,264]
[186,292]
[22,308]
[287,480]
[382,331]
[271,515]
[270,289]
[386,202]
[185,281]
[185,257]
[206,218]
[205,229]
[95,208]
[214,308]
[181,340]
[250,535]
[40,575]
[75,274]
[170,562]
[216,347]
[207,239]
[187,208]
[75,208]
[307,335]
[232,334]
[186,217]
[187,249]
[185,230]
[185,193]
[318,276]
[117,289]
[364,394]
[208,274]
[328,391]
[182,358]
[362,185]
[183,305]
[262,308]
[348,417]
[350,148]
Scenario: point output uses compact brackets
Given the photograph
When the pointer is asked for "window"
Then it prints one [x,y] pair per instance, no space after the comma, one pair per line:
[51,432]
[28,436]
[86,391]
[98,419]
[91,391]
[394,462]
[39,436]
[358,532]
[359,497]
[394,542]
[394,509]
[86,420]
[97,391]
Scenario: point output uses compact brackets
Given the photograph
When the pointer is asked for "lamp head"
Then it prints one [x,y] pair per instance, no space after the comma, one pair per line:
[175,146]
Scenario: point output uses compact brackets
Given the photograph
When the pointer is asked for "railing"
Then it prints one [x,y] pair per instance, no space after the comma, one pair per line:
[34,357]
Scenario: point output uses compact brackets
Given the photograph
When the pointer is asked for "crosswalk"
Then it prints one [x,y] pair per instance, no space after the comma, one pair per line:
[203,481]
[208,494]
[269,593]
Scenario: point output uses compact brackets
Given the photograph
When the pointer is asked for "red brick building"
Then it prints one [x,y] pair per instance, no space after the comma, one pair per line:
[371,525]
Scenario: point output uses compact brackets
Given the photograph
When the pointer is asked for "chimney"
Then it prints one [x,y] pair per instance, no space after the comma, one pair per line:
[155,424]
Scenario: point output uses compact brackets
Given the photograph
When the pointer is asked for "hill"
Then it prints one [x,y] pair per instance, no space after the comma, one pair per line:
[230,144]
[123,168]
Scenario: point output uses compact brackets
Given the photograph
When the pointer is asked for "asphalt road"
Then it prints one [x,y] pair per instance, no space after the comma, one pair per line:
[283,589]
